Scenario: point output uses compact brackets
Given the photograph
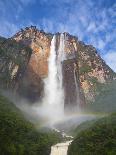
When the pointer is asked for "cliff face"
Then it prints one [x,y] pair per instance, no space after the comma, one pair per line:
[40,43]
[14,58]
[93,70]
[83,68]
[31,85]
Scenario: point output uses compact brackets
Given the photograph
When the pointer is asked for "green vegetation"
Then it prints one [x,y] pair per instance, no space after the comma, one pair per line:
[105,101]
[10,49]
[100,138]
[12,54]
[85,69]
[18,136]
[94,81]
[97,136]
[81,127]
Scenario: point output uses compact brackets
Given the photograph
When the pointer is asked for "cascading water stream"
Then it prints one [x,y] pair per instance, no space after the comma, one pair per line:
[52,84]
[60,148]
[77,91]
[60,58]
[54,93]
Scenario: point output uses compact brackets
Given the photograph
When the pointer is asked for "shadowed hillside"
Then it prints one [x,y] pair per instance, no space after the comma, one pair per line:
[105,101]
[18,136]
[100,138]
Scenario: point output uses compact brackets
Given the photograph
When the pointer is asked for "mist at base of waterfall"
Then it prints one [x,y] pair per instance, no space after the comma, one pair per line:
[53,116]
[51,109]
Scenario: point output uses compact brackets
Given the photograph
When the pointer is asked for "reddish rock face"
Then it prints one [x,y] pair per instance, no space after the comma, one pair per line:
[39,42]
[80,61]
[31,86]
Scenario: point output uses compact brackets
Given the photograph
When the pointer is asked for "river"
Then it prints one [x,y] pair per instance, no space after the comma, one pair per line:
[60,148]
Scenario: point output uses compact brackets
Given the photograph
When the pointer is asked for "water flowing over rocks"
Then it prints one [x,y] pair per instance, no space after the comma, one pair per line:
[81,66]
[60,148]
[53,99]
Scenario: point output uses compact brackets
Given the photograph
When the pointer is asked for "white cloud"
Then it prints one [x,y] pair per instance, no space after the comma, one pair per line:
[8,20]
[26,2]
[101,44]
[91,27]
[8,29]
[110,59]
[94,26]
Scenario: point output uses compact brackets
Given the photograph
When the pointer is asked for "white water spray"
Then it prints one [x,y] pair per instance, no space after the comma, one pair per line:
[61,57]
[60,148]
[51,82]
[54,94]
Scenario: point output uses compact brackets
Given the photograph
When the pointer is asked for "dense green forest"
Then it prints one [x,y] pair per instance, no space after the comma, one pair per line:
[97,136]
[105,100]
[100,138]
[18,136]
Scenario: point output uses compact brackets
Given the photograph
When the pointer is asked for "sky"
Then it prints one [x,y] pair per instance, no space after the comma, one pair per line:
[92,21]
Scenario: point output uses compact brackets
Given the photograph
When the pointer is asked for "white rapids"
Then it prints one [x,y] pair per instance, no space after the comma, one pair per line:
[60,148]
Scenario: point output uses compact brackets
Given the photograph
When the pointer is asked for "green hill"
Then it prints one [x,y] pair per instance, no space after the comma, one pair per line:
[81,127]
[99,138]
[105,101]
[99,135]
[18,136]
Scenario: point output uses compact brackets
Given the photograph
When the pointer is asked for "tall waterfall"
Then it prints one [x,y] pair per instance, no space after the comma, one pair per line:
[60,58]
[54,94]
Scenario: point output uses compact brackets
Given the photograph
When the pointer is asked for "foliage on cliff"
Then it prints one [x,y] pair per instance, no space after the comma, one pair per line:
[13,61]
[89,67]
[18,136]
[93,70]
[100,138]
[105,101]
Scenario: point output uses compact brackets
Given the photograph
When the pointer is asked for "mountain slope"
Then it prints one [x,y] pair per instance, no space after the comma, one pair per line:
[105,101]
[14,58]
[18,136]
[93,71]
[78,58]
[24,66]
[100,138]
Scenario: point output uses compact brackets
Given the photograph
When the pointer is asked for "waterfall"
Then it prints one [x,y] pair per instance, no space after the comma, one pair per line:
[77,90]
[60,58]
[52,84]
[54,94]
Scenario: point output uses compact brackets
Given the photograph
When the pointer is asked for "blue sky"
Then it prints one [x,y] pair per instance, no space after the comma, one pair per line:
[92,21]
